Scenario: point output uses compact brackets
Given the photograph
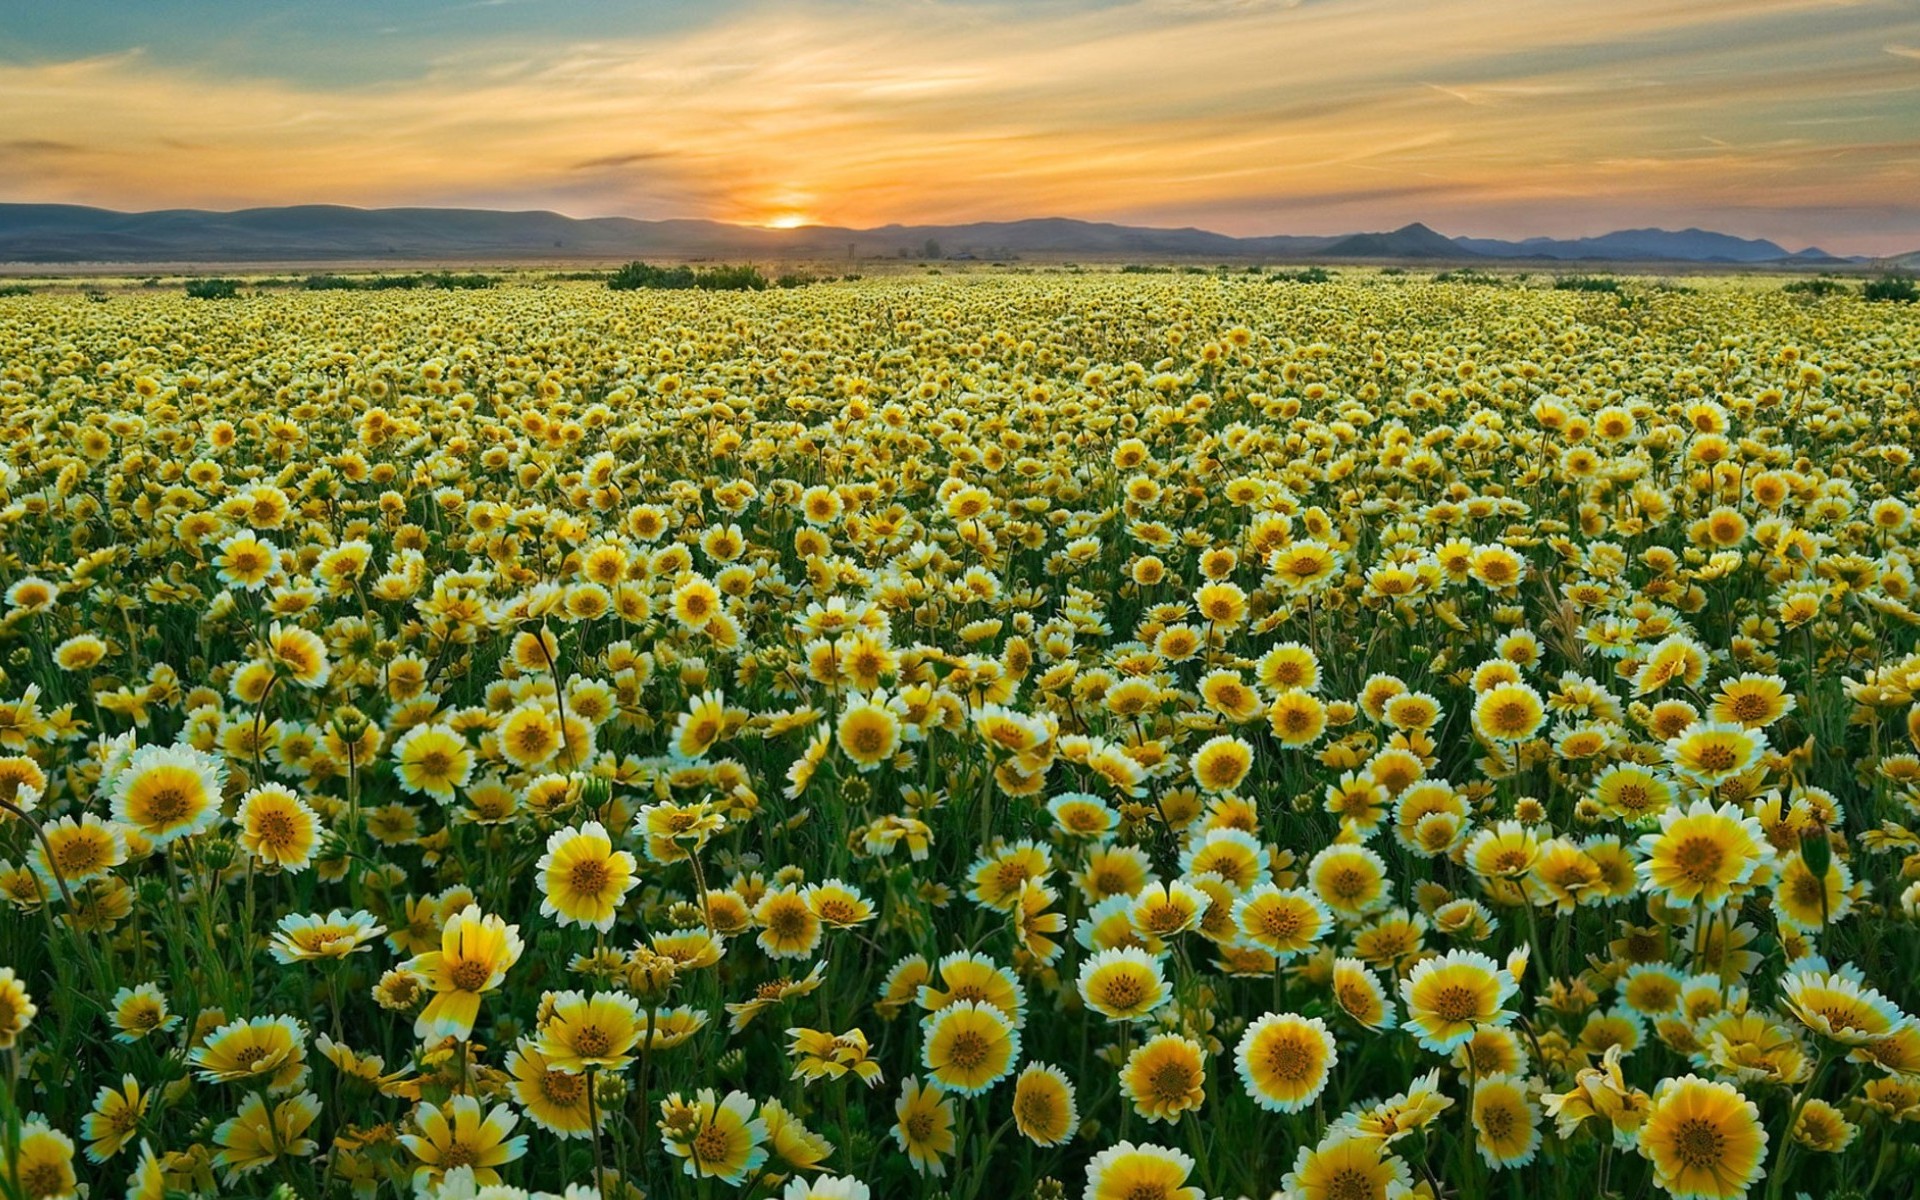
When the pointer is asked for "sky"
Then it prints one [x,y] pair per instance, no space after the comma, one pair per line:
[1796,120]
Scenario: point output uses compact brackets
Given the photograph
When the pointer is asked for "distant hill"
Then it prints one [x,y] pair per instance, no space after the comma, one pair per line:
[64,233]
[1410,241]
[1686,245]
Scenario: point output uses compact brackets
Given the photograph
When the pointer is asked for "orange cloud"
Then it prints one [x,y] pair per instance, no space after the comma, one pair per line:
[1254,117]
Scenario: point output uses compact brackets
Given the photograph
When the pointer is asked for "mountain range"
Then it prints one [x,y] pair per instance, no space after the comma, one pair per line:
[65,233]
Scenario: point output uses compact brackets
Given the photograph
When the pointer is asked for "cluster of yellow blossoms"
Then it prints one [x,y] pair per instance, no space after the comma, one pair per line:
[1144,738]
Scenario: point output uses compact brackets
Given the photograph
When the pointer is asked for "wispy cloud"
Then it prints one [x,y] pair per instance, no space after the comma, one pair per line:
[1547,115]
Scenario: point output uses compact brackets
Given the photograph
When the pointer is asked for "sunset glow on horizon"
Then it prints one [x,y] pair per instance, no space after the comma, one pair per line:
[1797,120]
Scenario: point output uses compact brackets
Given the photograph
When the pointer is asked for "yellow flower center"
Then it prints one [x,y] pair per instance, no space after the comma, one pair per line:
[969,1051]
[1699,1143]
[470,975]
[1456,1002]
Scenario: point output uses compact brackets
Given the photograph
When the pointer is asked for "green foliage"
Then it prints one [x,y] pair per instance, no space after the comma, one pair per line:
[443,280]
[1305,275]
[1898,288]
[213,289]
[637,275]
[15,289]
[1820,286]
[1586,283]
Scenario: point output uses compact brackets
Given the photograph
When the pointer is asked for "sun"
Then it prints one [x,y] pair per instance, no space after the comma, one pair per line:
[788,220]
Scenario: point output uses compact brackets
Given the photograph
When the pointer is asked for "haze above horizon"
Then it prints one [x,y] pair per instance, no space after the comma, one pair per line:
[1793,120]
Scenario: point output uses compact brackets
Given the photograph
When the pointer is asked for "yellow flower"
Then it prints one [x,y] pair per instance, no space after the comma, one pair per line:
[432,760]
[1360,994]
[1125,1171]
[169,792]
[253,1138]
[583,879]
[1712,752]
[1349,879]
[115,1118]
[474,956]
[868,731]
[335,935]
[530,736]
[923,1127]
[75,852]
[1823,1127]
[788,927]
[300,654]
[719,1139]
[1044,1108]
[1164,1077]
[1123,984]
[1837,1006]
[1285,922]
[580,1032]
[277,827]
[1448,997]
[16,1008]
[820,1054]
[1221,763]
[264,1049]
[43,1162]
[1285,1060]
[969,1047]
[553,1099]
[1704,1139]
[1346,1166]
[1506,1122]
[461,1133]
[247,561]
[1702,855]
[137,1012]
[1508,712]
[1165,910]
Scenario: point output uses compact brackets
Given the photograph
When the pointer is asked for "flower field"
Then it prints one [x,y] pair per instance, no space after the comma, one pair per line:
[988,736]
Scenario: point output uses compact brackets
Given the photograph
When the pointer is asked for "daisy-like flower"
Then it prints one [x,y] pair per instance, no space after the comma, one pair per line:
[432,760]
[583,879]
[969,1047]
[1837,1006]
[475,953]
[821,1054]
[336,935]
[1285,1060]
[115,1118]
[1704,1139]
[300,654]
[717,1138]
[16,1008]
[1124,984]
[1044,1107]
[256,1137]
[1506,1122]
[581,1032]
[1164,1077]
[1712,752]
[169,792]
[278,828]
[1449,997]
[461,1133]
[551,1098]
[137,1011]
[1346,1166]
[1284,922]
[270,1050]
[1702,854]
[1125,1171]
